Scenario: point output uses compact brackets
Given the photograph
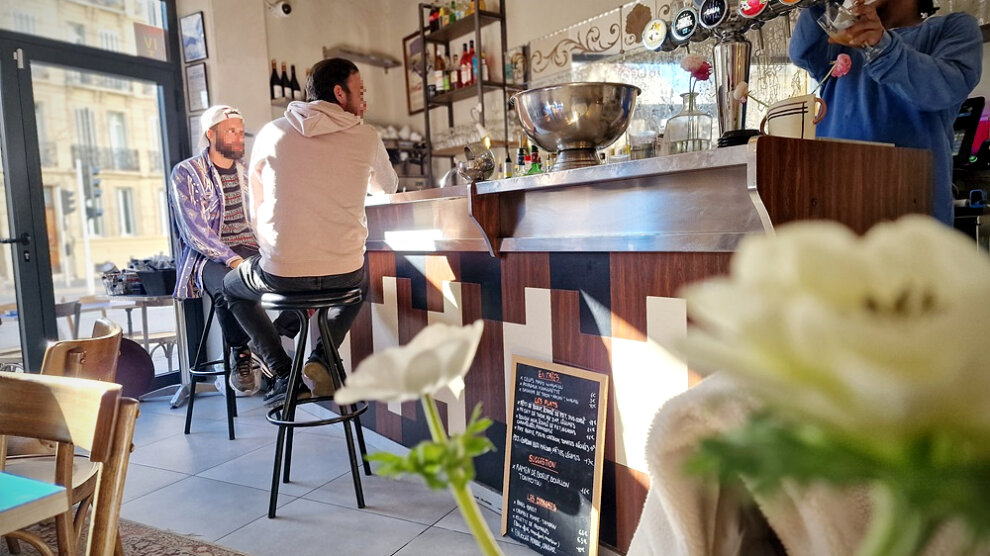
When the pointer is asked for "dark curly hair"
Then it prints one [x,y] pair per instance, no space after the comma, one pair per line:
[326,75]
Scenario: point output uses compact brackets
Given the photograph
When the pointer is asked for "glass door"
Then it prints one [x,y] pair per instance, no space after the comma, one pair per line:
[87,137]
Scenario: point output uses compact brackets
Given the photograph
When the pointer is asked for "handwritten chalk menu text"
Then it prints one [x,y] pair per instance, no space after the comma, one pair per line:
[553,461]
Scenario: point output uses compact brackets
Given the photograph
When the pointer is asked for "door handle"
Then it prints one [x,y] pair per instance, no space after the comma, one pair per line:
[24,238]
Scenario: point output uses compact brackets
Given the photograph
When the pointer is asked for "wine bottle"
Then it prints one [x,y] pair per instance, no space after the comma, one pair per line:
[465,66]
[286,84]
[473,59]
[434,19]
[274,83]
[297,92]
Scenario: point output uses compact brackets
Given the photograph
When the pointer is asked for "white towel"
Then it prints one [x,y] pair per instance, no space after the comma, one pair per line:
[688,516]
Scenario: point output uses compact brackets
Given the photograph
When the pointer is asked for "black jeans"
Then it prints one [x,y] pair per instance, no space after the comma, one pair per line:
[244,287]
[213,274]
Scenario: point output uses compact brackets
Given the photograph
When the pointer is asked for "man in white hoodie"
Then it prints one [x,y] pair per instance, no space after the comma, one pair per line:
[309,174]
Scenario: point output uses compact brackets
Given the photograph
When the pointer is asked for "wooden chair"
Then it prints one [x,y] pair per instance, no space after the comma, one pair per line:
[10,357]
[72,412]
[90,358]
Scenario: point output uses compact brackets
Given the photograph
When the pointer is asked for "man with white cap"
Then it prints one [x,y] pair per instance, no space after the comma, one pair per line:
[207,194]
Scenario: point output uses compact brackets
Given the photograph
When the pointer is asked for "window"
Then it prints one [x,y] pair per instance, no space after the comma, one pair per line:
[85,128]
[125,211]
[77,33]
[25,23]
[109,40]
[117,129]
[152,11]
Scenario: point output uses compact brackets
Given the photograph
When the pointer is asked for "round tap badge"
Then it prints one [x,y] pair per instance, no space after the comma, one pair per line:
[684,24]
[752,8]
[713,13]
[654,34]
[789,2]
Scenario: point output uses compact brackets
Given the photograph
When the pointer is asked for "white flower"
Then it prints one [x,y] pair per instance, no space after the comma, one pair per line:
[741,92]
[692,62]
[440,355]
[883,335]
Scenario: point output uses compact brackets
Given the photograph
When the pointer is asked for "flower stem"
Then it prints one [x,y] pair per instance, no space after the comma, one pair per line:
[896,529]
[472,514]
[462,494]
[433,419]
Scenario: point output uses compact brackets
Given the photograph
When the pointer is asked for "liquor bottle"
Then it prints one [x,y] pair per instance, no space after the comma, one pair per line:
[439,70]
[442,17]
[286,84]
[274,83]
[507,171]
[434,19]
[473,57]
[465,66]
[452,12]
[520,163]
[297,92]
[454,69]
[469,9]
[535,167]
[481,5]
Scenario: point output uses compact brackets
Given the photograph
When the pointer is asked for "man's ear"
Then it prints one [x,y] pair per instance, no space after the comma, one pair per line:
[211,135]
[338,93]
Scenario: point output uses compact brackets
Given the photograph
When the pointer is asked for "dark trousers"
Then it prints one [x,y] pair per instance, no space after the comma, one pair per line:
[244,288]
[213,274]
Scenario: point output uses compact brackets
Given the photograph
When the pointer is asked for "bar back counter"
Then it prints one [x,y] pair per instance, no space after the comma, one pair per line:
[582,267]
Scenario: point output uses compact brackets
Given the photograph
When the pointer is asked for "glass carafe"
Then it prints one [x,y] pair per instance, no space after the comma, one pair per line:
[642,133]
[691,129]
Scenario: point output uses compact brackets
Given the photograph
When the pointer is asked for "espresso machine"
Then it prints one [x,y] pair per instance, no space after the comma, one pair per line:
[727,21]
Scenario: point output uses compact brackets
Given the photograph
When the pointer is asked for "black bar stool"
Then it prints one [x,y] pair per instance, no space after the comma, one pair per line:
[200,371]
[284,416]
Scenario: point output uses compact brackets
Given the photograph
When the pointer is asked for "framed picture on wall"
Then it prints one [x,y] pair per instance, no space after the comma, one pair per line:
[193,37]
[199,93]
[194,132]
[412,60]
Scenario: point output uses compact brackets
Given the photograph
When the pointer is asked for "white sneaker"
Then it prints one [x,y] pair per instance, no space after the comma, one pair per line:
[245,376]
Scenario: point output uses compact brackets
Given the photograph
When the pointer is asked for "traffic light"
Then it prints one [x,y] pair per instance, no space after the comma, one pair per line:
[68,201]
[91,182]
[94,212]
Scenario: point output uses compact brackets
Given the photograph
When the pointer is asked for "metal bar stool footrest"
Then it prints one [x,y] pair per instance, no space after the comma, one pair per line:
[345,416]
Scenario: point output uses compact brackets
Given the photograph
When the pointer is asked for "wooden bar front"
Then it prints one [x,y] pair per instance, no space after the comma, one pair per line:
[587,270]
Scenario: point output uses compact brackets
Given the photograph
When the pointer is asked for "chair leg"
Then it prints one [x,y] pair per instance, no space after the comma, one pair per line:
[295,374]
[352,457]
[118,549]
[13,546]
[193,381]
[338,377]
[276,471]
[229,395]
[66,535]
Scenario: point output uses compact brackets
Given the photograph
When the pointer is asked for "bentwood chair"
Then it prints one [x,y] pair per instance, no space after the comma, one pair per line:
[90,358]
[72,412]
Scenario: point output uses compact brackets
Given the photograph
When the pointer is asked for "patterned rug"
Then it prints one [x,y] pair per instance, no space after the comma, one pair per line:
[138,540]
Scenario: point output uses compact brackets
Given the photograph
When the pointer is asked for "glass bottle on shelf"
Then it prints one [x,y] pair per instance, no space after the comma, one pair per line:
[465,78]
[691,129]
[274,82]
[297,92]
[286,84]
[642,133]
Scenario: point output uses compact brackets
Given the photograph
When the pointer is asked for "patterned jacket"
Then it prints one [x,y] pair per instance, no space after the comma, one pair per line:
[196,196]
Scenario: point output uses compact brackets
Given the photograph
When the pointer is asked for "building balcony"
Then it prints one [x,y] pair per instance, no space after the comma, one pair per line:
[98,81]
[107,159]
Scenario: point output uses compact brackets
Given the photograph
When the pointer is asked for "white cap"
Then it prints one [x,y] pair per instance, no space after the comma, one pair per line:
[213,116]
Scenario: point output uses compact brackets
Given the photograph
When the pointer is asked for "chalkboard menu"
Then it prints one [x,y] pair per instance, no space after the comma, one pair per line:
[553,461]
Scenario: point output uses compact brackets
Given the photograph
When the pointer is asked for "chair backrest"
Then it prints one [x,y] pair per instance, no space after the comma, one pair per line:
[70,310]
[105,518]
[61,409]
[93,358]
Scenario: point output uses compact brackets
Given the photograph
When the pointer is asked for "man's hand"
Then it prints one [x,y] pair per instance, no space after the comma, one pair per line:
[867,31]
[234,263]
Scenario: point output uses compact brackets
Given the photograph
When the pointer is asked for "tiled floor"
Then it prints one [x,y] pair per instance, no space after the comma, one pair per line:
[207,486]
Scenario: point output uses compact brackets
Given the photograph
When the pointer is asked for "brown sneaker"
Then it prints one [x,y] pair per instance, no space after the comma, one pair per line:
[316,375]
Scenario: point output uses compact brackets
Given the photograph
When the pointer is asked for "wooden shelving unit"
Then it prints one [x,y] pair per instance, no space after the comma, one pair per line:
[470,25]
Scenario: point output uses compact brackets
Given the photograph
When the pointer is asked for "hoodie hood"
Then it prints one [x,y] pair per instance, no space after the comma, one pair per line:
[319,118]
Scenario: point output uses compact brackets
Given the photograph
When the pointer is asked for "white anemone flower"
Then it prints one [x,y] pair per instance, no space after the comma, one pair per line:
[741,92]
[881,335]
[440,355]
[692,62]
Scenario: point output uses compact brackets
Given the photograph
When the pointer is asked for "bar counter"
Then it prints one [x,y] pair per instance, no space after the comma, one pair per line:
[582,268]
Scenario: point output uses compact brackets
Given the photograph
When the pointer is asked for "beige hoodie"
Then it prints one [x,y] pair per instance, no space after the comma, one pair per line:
[309,174]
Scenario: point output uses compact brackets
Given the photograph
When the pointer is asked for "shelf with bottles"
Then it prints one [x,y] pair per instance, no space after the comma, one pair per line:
[284,87]
[469,91]
[462,27]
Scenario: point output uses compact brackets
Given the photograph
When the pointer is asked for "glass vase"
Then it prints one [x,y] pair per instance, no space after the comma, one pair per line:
[691,129]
